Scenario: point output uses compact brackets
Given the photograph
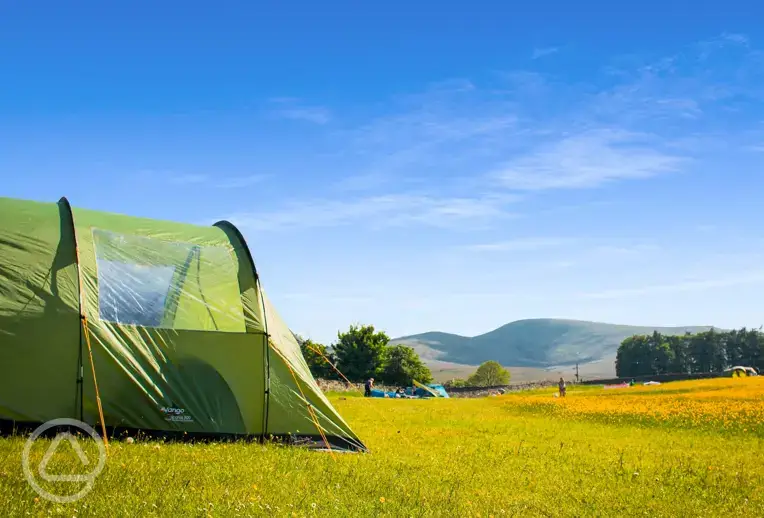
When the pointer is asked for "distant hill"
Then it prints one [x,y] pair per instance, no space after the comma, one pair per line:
[539,343]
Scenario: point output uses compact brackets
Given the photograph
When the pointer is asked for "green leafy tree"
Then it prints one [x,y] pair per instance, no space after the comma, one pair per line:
[316,356]
[706,352]
[634,356]
[456,382]
[489,374]
[360,352]
[709,351]
[402,365]
[663,358]
[734,346]
[679,346]
[752,349]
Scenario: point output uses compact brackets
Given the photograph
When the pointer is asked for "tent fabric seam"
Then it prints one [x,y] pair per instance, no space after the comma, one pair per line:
[267,371]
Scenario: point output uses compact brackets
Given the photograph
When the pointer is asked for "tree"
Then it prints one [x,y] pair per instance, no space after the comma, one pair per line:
[456,382]
[315,355]
[663,358]
[706,353]
[734,346]
[402,365]
[360,352]
[679,346]
[635,356]
[489,374]
[753,349]
[709,351]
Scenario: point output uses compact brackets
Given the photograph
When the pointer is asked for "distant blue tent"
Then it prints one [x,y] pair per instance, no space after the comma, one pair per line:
[440,389]
[431,390]
[381,393]
[414,392]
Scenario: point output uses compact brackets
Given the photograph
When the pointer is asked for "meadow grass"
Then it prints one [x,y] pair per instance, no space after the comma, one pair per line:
[594,453]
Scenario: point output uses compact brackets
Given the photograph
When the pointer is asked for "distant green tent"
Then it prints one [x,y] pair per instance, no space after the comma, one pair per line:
[183,338]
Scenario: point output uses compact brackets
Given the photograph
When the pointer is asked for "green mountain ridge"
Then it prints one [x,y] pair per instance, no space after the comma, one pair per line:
[541,342]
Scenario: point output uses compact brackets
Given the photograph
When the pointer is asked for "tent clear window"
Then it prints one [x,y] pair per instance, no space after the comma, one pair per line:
[161,284]
[133,293]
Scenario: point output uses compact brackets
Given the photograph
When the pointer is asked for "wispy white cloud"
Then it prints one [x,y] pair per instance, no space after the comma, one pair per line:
[209,180]
[672,94]
[315,114]
[740,39]
[683,107]
[630,130]
[708,47]
[381,211]
[521,245]
[576,207]
[572,251]
[237,182]
[362,182]
[326,298]
[587,160]
[627,249]
[544,51]
[748,278]
[445,129]
[291,108]
[523,133]
[186,179]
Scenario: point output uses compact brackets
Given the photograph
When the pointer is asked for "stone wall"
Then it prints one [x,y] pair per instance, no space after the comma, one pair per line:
[342,386]
[473,392]
[457,392]
[339,386]
[663,378]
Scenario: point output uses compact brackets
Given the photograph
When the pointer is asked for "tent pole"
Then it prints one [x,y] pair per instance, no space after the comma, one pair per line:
[267,359]
[84,319]
[227,226]
[63,206]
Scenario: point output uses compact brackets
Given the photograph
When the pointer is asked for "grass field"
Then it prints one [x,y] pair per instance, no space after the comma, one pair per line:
[679,449]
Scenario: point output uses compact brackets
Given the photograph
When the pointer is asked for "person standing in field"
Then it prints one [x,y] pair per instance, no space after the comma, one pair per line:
[561,386]
[367,387]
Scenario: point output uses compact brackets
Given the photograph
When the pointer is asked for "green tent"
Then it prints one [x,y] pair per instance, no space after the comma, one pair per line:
[155,326]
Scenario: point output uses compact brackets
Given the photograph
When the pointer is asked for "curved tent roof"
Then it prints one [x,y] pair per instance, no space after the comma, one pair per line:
[153,325]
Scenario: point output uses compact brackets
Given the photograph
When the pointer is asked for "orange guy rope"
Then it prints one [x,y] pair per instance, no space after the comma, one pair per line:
[310,407]
[312,413]
[95,381]
[330,363]
[84,322]
[384,418]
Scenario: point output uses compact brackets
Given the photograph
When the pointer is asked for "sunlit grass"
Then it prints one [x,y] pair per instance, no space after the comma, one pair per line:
[680,449]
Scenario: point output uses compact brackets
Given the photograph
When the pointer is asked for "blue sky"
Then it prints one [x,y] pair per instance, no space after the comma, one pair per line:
[435,167]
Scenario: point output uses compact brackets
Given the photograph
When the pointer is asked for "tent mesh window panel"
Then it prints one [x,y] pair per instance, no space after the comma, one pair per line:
[148,282]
